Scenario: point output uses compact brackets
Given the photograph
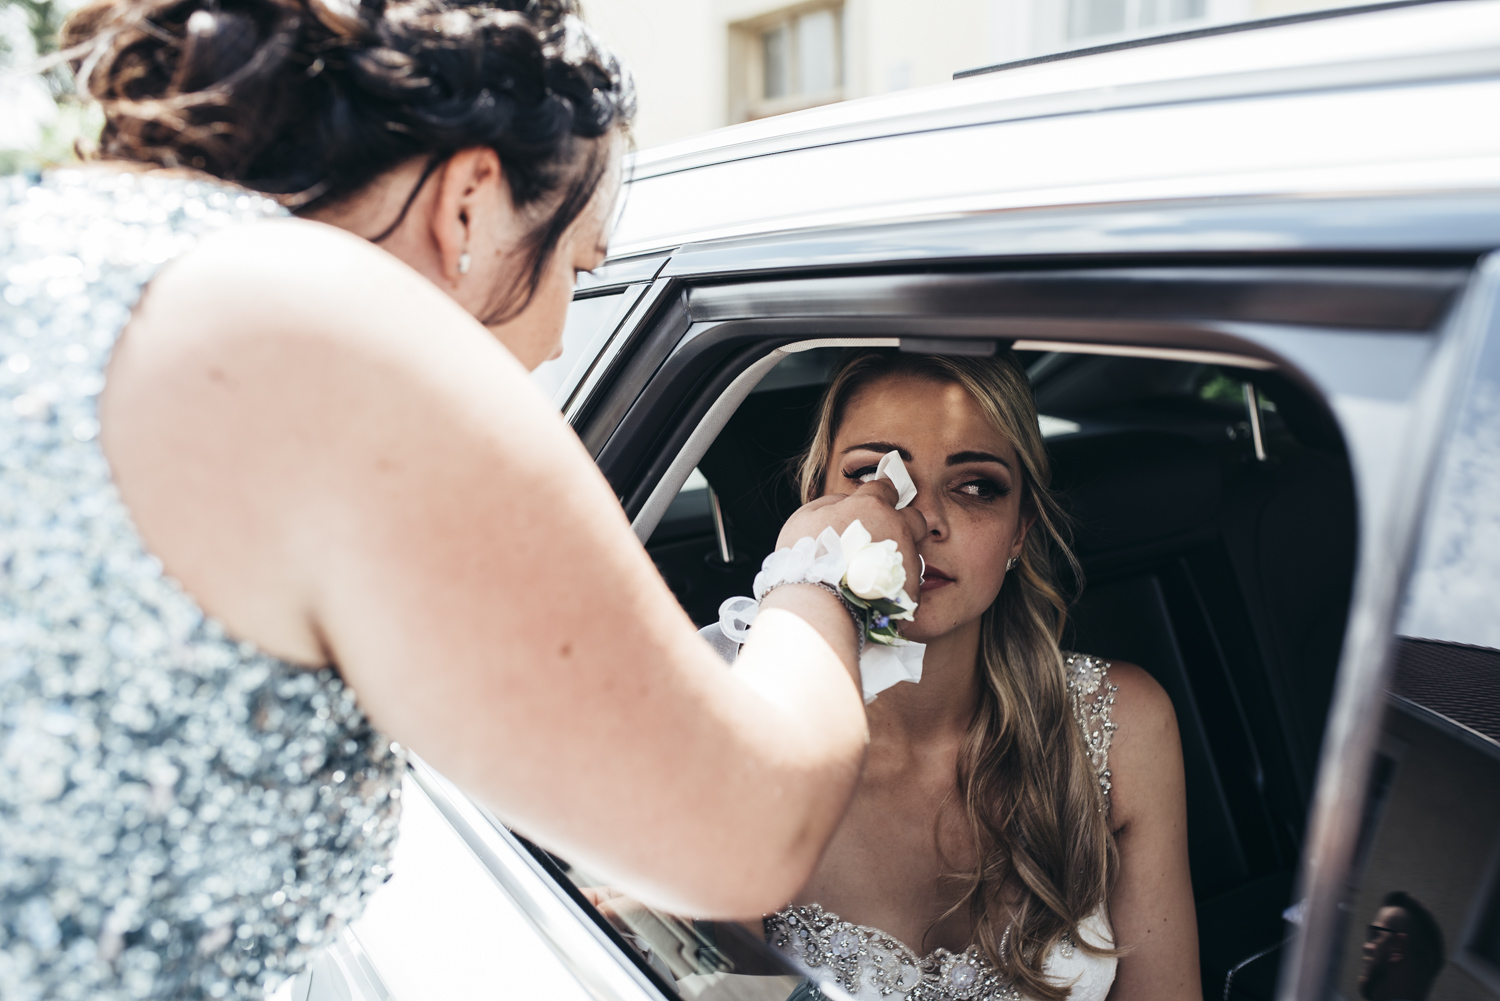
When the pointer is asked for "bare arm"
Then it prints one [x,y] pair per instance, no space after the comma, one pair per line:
[1152,906]
[343,466]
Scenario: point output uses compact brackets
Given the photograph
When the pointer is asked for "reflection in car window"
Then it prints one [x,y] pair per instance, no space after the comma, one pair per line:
[1454,590]
[699,960]
[1424,913]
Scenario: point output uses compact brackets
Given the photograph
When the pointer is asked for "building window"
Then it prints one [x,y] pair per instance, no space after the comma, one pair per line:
[1102,18]
[785,61]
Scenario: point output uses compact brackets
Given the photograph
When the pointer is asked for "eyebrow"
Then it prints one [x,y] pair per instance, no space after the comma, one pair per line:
[959,458]
[878,446]
[956,459]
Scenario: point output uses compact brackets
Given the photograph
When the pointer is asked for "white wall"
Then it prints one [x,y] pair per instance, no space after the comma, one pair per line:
[679,49]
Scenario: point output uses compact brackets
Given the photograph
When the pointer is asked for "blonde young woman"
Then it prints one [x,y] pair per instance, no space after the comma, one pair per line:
[1019,830]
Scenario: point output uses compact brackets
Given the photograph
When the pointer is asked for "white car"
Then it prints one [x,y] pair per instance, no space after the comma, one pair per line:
[1252,274]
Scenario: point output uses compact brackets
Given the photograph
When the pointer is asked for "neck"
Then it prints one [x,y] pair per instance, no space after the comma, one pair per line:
[943,704]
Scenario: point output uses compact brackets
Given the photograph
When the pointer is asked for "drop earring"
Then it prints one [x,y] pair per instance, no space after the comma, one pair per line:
[464,261]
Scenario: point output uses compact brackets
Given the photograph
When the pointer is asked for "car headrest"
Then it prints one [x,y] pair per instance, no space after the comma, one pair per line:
[1134,488]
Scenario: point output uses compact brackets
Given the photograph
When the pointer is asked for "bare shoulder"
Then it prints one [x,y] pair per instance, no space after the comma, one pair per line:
[291,276]
[1141,704]
[280,381]
[1146,753]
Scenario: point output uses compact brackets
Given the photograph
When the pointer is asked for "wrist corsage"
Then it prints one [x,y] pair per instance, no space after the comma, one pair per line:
[875,583]
[868,576]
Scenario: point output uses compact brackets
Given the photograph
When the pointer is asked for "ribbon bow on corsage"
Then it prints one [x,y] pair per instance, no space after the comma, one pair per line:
[870,577]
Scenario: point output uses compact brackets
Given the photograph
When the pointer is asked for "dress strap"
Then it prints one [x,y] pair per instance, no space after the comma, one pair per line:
[1093,706]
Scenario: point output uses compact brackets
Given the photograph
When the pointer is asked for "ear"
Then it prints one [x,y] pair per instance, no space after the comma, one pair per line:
[1397,947]
[469,185]
[1028,518]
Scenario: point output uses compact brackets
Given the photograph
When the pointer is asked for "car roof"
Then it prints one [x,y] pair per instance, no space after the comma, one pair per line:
[1390,100]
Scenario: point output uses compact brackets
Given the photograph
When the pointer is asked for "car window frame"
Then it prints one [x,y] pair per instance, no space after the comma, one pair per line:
[701,341]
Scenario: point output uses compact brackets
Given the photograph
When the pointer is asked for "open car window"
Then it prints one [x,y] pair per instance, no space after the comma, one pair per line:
[1213,513]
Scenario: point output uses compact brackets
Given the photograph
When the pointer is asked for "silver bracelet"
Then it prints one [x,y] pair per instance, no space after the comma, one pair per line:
[855,612]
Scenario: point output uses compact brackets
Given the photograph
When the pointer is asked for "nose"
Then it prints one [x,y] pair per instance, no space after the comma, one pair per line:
[930,504]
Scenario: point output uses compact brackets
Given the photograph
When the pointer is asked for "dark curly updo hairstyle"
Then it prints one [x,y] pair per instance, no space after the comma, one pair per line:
[311,100]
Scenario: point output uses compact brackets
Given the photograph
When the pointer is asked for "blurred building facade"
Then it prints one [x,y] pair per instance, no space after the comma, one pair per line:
[703,64]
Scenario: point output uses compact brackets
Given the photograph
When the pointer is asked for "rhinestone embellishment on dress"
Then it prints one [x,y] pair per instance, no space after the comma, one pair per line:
[1093,704]
[181,816]
[861,958]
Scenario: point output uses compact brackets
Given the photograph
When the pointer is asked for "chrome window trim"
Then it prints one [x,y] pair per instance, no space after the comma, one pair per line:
[1250,227]
[1160,354]
[615,272]
[582,948]
[1391,507]
[1368,296]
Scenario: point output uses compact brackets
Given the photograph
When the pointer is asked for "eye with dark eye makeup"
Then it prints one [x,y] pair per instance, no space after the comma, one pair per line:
[983,489]
[856,474]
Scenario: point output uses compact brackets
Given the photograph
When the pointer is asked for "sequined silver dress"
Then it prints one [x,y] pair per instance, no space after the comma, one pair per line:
[874,966]
[181,815]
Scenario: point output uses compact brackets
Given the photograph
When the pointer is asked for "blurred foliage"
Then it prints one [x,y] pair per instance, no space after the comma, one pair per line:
[1226,390]
[1220,388]
[46,119]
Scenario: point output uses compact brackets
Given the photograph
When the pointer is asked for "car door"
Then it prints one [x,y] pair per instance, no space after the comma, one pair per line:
[1409,800]
[1357,345]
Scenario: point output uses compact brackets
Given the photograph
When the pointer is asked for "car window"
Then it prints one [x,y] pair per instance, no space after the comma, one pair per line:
[1428,860]
[696,960]
[1213,513]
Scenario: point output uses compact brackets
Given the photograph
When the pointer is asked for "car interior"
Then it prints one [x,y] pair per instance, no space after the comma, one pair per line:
[1213,515]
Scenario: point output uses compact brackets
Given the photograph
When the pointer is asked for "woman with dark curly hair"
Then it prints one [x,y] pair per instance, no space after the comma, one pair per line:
[255,463]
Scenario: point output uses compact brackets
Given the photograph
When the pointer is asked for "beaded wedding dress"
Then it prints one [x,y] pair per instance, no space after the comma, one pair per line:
[873,966]
[181,815]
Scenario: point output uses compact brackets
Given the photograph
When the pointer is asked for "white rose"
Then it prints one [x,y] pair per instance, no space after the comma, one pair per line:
[875,568]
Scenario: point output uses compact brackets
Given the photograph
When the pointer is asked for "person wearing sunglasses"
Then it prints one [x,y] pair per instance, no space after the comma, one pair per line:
[1403,951]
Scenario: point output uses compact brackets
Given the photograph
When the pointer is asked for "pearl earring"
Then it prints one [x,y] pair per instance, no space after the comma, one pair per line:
[464,260]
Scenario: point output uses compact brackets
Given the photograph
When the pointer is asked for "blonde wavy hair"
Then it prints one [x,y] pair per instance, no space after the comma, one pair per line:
[1045,857]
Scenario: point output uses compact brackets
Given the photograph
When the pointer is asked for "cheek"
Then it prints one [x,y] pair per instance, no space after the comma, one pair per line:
[536,334]
[984,541]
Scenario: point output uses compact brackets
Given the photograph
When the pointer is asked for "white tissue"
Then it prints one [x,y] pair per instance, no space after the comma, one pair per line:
[881,666]
[893,469]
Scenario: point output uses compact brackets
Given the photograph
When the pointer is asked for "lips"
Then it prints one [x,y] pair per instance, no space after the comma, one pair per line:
[934,578]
